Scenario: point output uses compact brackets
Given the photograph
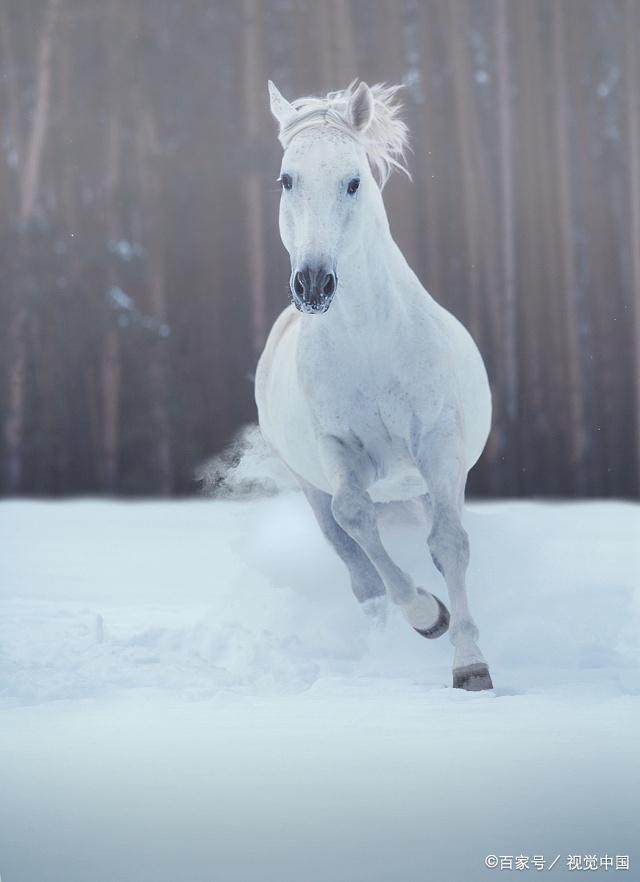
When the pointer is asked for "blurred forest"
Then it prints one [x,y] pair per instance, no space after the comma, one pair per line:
[140,260]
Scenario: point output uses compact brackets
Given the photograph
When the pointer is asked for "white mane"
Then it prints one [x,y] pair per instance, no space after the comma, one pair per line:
[385,139]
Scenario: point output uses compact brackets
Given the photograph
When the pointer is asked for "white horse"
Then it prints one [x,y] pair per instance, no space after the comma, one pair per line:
[367,389]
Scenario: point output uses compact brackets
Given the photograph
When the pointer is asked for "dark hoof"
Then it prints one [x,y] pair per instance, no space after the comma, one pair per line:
[441,625]
[473,678]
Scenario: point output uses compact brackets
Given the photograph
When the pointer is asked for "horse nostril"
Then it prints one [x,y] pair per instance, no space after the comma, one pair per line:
[298,285]
[329,284]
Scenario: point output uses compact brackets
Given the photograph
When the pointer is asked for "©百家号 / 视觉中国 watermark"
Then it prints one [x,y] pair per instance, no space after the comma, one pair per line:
[539,862]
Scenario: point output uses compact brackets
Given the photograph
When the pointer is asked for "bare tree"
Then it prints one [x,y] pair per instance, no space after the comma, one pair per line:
[632,71]
[152,207]
[29,181]
[110,367]
[507,199]
[566,232]
[253,97]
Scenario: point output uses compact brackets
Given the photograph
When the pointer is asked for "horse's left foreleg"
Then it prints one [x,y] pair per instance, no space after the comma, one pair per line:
[439,458]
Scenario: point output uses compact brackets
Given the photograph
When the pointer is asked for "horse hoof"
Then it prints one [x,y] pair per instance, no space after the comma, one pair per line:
[441,624]
[473,678]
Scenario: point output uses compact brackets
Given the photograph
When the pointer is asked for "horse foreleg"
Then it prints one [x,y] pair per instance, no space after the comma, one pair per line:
[441,464]
[351,506]
[366,584]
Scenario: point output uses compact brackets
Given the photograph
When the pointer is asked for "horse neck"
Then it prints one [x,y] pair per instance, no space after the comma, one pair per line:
[375,280]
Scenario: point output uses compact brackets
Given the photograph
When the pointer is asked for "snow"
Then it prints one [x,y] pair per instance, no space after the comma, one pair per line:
[189,691]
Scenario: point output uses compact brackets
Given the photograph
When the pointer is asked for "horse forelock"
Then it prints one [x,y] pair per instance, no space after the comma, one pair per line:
[385,140]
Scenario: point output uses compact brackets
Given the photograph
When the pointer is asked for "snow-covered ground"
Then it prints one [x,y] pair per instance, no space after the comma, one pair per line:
[189,692]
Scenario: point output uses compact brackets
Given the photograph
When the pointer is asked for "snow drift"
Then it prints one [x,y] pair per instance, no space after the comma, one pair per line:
[189,691]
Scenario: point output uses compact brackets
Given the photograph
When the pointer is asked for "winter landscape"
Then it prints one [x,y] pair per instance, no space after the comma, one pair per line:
[190,692]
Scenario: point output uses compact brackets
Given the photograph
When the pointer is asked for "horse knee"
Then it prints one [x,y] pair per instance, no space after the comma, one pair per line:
[352,510]
[367,586]
[448,543]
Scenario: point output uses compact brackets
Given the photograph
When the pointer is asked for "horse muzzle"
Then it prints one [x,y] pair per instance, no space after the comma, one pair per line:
[313,289]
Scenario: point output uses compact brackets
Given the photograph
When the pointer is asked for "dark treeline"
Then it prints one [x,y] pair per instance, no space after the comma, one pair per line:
[140,260]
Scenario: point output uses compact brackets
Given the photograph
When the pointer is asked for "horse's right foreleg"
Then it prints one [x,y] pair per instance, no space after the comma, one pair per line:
[365,581]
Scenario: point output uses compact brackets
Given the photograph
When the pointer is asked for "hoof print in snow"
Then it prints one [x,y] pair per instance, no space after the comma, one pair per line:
[473,678]
[441,624]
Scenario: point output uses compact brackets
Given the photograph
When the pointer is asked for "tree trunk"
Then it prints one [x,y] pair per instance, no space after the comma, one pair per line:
[11,74]
[18,325]
[632,47]
[35,145]
[505,117]
[152,201]
[253,184]
[577,441]
[110,368]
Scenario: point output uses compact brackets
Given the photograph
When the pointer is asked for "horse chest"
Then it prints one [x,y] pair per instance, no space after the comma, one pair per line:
[373,387]
[351,391]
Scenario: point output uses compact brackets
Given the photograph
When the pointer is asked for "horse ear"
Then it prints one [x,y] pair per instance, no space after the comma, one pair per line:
[360,109]
[280,107]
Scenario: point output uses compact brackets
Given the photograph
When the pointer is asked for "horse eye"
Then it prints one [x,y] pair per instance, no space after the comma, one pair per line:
[353,185]
[286,182]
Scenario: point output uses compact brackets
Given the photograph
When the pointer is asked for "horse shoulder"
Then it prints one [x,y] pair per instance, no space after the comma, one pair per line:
[286,322]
